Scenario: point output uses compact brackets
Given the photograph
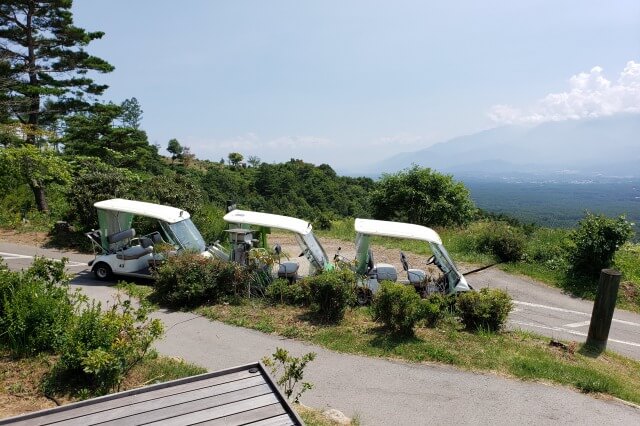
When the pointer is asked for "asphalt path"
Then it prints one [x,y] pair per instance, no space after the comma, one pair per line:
[380,391]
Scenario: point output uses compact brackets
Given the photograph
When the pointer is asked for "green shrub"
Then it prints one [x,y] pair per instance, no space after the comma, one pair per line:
[331,293]
[296,293]
[504,241]
[398,307]
[596,239]
[486,309]
[190,280]
[34,307]
[433,308]
[100,347]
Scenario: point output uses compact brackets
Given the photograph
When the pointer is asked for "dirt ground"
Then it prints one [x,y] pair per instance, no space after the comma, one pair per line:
[30,238]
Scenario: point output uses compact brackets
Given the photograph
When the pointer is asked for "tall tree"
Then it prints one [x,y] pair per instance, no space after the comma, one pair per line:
[131,113]
[175,149]
[46,73]
[235,158]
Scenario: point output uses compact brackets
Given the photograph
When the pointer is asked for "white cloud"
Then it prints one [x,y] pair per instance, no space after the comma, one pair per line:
[590,95]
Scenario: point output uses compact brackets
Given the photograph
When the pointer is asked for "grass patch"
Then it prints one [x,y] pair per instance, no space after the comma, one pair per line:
[313,417]
[515,353]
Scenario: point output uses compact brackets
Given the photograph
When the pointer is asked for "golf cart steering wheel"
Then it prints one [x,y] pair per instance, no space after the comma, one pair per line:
[431,260]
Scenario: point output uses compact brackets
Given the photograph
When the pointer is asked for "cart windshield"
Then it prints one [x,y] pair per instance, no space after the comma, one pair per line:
[185,234]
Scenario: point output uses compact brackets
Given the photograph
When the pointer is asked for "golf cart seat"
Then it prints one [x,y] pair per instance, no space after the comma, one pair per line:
[127,234]
[385,272]
[135,252]
[416,276]
[288,270]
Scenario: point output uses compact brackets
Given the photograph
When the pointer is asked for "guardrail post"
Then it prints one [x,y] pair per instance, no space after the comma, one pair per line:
[603,308]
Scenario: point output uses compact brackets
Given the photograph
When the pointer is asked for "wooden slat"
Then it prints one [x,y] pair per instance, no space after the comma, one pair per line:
[250,416]
[283,420]
[166,401]
[185,409]
[132,397]
[217,412]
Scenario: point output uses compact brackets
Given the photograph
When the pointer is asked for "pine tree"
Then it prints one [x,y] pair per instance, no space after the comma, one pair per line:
[45,72]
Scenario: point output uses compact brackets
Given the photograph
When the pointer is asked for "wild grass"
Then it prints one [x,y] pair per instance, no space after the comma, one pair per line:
[514,353]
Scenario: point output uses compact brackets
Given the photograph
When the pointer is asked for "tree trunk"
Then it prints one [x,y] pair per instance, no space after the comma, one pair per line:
[41,198]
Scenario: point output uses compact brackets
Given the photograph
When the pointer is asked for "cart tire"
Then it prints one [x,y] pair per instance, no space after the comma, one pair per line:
[102,271]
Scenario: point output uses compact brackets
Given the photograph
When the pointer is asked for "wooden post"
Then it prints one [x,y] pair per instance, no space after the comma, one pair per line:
[603,309]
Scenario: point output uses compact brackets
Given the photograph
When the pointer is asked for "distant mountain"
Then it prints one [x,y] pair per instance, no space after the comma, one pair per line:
[607,146]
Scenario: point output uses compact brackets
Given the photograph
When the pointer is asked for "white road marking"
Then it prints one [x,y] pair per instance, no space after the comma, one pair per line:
[569,311]
[15,256]
[577,324]
[577,333]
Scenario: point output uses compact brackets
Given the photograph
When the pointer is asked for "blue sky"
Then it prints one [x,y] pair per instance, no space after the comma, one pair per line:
[352,82]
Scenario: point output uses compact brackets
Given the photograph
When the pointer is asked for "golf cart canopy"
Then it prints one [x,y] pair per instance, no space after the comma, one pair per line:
[311,247]
[397,230]
[140,208]
[365,228]
[116,215]
[245,217]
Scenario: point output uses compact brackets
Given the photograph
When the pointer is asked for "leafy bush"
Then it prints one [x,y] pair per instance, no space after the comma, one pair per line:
[433,308]
[398,306]
[296,293]
[331,293]
[422,196]
[190,279]
[596,239]
[486,309]
[100,347]
[34,307]
[504,241]
[289,370]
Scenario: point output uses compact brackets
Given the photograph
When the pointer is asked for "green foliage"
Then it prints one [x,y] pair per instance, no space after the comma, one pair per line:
[398,307]
[34,307]
[505,242]
[95,181]
[190,279]
[282,291]
[331,293]
[98,134]
[289,370]
[175,149]
[100,347]
[435,307]
[596,239]
[176,190]
[235,158]
[131,115]
[208,220]
[486,309]
[422,196]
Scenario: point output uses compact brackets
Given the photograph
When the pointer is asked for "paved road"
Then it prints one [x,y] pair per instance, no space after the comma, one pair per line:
[377,391]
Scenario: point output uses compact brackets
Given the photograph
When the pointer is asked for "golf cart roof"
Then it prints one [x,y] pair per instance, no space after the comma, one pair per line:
[156,211]
[269,220]
[384,228]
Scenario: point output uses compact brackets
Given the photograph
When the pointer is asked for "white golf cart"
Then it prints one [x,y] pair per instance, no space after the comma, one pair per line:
[243,241]
[448,282]
[119,251]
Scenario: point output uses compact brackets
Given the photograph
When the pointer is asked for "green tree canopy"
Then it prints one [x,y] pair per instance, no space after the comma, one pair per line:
[44,68]
[175,149]
[96,134]
[235,158]
[422,196]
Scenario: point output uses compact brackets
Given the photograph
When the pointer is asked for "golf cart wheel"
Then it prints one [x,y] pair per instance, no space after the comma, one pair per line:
[102,271]
[363,296]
